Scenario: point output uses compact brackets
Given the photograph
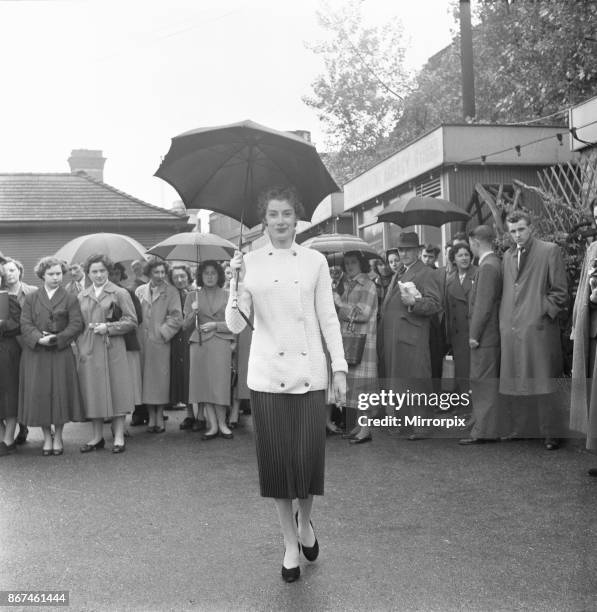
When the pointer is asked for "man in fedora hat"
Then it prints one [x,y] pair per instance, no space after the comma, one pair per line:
[403,335]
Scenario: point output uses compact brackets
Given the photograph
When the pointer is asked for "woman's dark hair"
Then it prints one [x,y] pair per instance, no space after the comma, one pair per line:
[288,194]
[17,263]
[458,247]
[45,263]
[120,268]
[153,263]
[180,266]
[98,258]
[363,261]
[392,252]
[217,267]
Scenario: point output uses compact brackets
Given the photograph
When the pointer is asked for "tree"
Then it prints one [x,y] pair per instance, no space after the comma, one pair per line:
[532,60]
[359,98]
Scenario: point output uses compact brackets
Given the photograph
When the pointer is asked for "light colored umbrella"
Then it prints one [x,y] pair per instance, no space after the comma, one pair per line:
[117,247]
[335,244]
[422,210]
[194,247]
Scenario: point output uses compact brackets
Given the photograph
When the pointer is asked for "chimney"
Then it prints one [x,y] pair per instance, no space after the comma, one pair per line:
[89,161]
[466,59]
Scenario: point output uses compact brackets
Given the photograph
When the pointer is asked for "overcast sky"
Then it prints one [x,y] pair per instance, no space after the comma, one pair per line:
[124,76]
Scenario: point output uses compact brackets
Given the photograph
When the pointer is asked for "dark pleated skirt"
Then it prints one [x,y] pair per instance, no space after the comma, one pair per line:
[290,441]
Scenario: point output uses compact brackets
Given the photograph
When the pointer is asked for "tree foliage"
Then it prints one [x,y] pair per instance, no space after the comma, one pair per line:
[359,97]
[532,59]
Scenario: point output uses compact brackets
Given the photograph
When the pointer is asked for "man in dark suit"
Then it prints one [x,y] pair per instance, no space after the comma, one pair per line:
[403,333]
[484,337]
[78,280]
[534,294]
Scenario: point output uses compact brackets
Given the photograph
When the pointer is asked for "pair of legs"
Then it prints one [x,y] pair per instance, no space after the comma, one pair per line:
[215,415]
[156,415]
[7,430]
[117,428]
[291,535]
[54,443]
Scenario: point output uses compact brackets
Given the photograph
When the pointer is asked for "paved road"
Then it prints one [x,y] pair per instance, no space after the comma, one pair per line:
[176,523]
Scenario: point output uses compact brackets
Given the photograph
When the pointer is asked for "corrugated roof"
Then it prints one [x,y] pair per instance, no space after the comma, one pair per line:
[63,197]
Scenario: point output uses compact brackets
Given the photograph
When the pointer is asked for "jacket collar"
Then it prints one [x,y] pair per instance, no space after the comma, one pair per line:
[58,297]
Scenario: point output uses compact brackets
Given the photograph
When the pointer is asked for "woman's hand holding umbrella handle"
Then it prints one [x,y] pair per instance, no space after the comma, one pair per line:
[339,385]
[236,265]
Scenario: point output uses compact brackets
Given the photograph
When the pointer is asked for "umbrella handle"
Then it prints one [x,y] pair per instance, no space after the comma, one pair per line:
[235,300]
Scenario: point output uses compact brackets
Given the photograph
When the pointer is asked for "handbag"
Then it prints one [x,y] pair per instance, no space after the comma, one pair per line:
[354,344]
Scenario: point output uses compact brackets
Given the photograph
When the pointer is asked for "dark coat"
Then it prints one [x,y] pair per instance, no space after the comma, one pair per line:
[532,299]
[485,297]
[403,332]
[484,327]
[49,386]
[10,354]
[456,305]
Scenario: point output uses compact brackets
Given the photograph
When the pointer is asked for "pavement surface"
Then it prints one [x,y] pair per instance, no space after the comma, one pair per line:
[176,523]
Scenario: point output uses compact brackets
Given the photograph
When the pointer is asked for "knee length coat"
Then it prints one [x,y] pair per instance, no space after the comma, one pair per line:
[162,318]
[49,390]
[359,303]
[457,313]
[532,299]
[103,364]
[403,332]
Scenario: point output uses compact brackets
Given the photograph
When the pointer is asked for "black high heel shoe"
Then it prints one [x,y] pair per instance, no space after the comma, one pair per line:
[311,552]
[291,574]
[87,448]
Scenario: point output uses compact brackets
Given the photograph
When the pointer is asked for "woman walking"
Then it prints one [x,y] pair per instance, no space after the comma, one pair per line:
[289,288]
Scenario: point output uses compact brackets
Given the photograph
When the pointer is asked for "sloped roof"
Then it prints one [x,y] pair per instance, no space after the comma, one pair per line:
[71,197]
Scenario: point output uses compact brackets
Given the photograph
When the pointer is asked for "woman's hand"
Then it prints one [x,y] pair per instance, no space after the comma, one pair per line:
[99,328]
[339,385]
[237,267]
[47,340]
[209,326]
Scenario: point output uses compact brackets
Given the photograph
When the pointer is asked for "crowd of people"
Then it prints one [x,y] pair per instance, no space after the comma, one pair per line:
[99,348]
[94,349]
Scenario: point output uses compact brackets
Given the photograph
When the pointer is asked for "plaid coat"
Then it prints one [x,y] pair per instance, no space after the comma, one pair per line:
[360,299]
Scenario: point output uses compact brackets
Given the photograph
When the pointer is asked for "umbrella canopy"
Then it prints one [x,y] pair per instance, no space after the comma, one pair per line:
[422,210]
[225,168]
[194,247]
[117,247]
[336,244]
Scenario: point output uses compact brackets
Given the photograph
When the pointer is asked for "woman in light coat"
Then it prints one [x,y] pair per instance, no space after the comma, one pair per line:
[162,318]
[357,312]
[104,374]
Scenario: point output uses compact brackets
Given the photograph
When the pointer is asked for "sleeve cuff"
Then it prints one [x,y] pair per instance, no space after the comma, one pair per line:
[339,365]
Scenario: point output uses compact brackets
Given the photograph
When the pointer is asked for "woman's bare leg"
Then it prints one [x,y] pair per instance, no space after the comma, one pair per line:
[291,553]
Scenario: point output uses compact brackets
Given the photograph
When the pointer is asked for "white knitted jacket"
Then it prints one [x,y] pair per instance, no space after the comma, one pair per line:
[290,293]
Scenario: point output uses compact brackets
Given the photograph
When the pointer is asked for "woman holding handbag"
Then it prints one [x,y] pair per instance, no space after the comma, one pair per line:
[49,393]
[357,311]
[108,314]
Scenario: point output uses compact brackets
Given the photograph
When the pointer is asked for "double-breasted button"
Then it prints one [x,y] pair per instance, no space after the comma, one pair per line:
[282,385]
[275,280]
[294,254]
[281,353]
[303,353]
[306,384]
[295,282]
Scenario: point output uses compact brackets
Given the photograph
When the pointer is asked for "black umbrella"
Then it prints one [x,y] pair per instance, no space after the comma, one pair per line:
[422,210]
[224,168]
